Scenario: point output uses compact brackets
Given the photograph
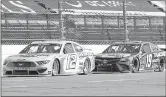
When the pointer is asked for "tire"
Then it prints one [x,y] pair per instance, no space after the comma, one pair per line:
[87,67]
[55,67]
[161,65]
[135,67]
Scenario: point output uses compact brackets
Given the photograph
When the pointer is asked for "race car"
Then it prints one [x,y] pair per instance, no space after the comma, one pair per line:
[58,57]
[131,56]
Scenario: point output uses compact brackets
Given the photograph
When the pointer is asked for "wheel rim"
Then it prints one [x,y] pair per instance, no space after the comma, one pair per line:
[55,68]
[86,67]
[135,67]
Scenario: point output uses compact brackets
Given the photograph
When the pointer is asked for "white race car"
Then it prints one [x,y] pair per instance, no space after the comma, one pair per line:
[50,58]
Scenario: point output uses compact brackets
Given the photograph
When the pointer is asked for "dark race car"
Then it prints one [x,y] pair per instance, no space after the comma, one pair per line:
[131,57]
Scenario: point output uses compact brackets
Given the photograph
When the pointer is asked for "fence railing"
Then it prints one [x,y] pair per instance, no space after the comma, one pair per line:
[83,42]
[25,28]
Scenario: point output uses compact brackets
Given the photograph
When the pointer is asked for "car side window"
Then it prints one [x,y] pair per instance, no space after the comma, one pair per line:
[146,48]
[33,49]
[78,48]
[68,48]
[154,47]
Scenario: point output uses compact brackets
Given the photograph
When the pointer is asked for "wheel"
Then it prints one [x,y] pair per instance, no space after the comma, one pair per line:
[87,67]
[135,67]
[161,65]
[55,68]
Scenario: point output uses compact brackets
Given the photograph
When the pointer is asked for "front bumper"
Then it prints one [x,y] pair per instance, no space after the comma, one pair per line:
[26,71]
[113,66]
[27,68]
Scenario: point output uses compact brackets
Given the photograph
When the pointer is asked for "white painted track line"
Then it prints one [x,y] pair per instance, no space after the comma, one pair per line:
[115,80]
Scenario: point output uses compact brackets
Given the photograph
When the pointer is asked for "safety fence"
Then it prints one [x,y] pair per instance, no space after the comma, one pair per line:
[87,29]
[83,42]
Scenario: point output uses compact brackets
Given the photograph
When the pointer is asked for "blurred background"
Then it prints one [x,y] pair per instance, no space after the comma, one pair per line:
[86,22]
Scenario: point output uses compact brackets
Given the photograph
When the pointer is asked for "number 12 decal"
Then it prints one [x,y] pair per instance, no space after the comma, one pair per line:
[71,61]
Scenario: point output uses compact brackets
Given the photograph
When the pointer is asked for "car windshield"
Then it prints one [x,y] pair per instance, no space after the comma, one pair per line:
[42,48]
[123,48]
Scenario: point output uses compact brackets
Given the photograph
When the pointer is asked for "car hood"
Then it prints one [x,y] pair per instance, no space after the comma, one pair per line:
[114,55]
[31,57]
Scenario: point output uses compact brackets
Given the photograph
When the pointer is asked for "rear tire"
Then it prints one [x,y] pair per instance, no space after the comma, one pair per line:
[161,65]
[55,67]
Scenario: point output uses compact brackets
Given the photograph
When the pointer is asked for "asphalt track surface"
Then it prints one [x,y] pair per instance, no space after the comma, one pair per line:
[116,84]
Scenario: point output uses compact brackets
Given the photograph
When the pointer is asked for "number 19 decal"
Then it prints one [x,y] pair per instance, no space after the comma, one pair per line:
[71,61]
[149,60]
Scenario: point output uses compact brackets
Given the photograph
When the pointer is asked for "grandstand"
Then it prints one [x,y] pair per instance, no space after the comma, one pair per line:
[25,21]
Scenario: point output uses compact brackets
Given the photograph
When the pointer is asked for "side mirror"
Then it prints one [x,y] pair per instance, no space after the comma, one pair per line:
[64,51]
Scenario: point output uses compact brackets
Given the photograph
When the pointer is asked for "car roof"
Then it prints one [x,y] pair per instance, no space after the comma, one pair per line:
[53,42]
[131,42]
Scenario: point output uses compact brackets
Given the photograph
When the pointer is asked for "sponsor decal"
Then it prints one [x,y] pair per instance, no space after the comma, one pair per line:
[20,59]
[105,61]
[25,6]
[20,64]
[95,3]
[18,68]
[78,4]
[22,8]
[85,54]
[28,55]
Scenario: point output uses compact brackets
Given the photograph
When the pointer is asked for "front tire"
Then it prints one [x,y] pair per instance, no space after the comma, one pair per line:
[135,67]
[87,67]
[55,67]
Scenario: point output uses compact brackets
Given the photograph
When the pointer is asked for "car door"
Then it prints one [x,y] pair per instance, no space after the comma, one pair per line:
[146,56]
[71,57]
